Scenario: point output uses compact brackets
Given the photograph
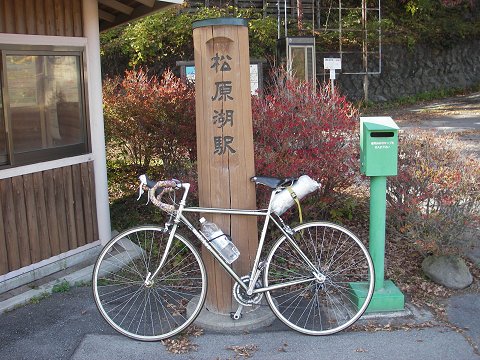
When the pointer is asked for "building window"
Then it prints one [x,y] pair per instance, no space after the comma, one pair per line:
[43,110]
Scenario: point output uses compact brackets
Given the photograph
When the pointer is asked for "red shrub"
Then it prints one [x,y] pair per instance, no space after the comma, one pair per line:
[296,130]
[300,131]
[150,119]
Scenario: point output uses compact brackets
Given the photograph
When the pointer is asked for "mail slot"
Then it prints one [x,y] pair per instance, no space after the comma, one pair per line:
[382,134]
[378,146]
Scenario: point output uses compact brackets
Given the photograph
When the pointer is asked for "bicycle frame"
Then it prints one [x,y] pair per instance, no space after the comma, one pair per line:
[256,269]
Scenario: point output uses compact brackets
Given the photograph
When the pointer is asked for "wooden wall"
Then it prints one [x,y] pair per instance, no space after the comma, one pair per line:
[46,213]
[41,17]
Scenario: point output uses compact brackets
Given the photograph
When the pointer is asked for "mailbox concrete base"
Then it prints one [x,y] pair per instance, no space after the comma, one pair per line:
[387,298]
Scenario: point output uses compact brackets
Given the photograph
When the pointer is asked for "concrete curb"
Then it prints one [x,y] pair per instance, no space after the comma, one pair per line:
[81,276]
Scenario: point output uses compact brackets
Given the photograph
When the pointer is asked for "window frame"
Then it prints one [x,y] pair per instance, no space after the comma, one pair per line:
[308,60]
[53,153]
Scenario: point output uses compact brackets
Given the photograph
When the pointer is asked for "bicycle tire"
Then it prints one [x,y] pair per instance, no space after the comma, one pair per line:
[149,312]
[318,307]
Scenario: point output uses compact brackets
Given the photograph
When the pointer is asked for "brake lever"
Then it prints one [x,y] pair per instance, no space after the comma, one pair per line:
[140,191]
[143,182]
[178,182]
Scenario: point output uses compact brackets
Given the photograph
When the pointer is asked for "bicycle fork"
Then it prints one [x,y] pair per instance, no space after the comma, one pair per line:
[149,276]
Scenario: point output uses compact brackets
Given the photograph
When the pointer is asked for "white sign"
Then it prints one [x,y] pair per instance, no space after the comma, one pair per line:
[332,63]
[254,79]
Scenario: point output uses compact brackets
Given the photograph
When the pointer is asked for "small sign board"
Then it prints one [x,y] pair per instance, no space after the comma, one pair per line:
[254,79]
[187,73]
[190,73]
[332,63]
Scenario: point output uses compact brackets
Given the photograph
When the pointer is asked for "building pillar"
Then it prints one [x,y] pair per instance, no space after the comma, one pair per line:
[95,112]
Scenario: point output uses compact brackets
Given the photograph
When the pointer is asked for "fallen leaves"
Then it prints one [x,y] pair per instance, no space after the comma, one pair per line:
[245,351]
[179,345]
[404,268]
[182,343]
[374,327]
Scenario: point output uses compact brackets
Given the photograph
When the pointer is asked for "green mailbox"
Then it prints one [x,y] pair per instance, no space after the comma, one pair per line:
[378,159]
[378,146]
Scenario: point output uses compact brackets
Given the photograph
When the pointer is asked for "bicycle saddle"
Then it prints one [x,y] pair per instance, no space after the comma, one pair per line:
[271,182]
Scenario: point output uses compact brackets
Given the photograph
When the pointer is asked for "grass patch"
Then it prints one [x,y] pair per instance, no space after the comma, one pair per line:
[61,287]
[38,298]
[83,283]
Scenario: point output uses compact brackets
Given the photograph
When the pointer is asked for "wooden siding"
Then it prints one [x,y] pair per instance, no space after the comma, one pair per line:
[41,17]
[45,214]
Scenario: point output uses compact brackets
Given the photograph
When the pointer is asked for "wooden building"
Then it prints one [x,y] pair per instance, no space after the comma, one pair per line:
[53,181]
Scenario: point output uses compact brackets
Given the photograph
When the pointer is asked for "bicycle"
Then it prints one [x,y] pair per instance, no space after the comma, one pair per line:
[149,282]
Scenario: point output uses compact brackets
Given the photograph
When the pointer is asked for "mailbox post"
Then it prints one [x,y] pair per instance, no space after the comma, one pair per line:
[378,159]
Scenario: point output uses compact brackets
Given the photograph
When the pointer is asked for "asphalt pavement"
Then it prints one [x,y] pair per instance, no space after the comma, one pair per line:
[459,114]
[68,326]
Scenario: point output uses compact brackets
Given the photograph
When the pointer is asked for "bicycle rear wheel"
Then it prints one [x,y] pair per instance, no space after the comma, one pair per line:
[313,305]
[139,309]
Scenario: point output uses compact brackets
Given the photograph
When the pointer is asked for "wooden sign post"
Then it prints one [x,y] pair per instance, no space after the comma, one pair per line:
[225,144]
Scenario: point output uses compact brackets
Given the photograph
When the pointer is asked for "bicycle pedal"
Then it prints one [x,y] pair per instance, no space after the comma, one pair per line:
[234,316]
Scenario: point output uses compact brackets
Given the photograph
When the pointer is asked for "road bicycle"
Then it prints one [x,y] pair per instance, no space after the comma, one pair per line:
[150,283]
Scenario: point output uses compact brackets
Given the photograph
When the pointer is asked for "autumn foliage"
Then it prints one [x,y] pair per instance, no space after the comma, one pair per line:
[150,119]
[434,202]
[298,131]
[435,199]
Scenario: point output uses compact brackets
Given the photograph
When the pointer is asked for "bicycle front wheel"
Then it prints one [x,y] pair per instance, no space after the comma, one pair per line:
[328,298]
[149,310]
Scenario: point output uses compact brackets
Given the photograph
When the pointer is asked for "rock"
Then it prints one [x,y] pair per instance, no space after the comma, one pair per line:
[470,245]
[447,270]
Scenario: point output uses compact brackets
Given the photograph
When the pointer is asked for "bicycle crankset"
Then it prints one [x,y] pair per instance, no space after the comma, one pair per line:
[241,296]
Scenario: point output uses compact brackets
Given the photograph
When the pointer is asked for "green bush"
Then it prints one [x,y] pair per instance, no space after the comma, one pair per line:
[160,40]
[439,23]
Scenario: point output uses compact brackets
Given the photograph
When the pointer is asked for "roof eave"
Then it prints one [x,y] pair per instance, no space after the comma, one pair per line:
[139,13]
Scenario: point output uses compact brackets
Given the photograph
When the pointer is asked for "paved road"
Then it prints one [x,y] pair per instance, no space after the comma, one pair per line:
[459,115]
[68,326]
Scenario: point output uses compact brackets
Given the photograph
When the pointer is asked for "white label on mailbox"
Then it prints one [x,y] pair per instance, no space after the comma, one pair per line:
[381,144]
[332,63]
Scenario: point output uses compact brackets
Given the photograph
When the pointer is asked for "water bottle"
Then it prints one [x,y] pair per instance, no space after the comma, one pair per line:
[219,241]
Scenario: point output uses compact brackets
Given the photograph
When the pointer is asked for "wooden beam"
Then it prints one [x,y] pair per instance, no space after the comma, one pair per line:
[106,16]
[139,12]
[117,5]
[148,3]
